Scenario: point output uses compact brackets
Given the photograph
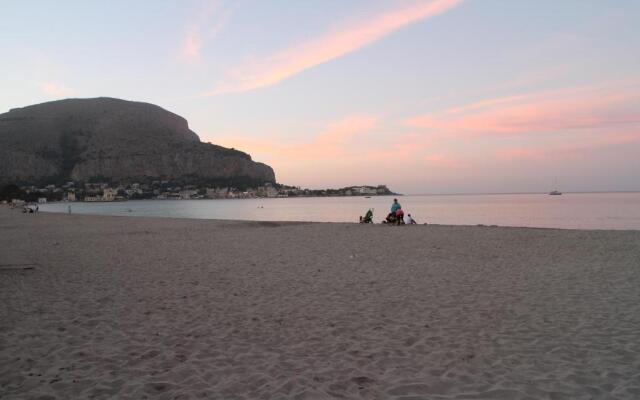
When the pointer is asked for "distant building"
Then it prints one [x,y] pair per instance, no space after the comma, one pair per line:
[363,190]
[42,200]
[133,191]
[217,193]
[187,194]
[109,194]
[271,191]
[71,196]
[96,186]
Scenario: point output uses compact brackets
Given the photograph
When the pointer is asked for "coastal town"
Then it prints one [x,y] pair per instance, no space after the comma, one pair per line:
[167,190]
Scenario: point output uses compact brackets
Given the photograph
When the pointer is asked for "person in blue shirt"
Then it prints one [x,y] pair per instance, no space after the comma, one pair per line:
[393,216]
[395,206]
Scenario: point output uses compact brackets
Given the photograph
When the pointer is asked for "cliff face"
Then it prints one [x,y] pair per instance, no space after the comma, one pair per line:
[81,139]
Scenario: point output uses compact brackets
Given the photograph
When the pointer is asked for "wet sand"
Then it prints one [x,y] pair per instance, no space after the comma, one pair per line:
[134,308]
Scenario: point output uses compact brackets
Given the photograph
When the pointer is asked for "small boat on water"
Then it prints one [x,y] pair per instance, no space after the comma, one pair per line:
[555,192]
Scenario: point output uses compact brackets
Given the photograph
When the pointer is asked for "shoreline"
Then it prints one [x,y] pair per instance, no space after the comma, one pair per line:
[190,308]
[337,222]
[601,212]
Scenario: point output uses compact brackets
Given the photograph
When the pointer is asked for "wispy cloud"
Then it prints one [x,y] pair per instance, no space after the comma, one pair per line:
[442,160]
[336,140]
[585,108]
[566,150]
[55,89]
[211,19]
[358,149]
[582,120]
[278,67]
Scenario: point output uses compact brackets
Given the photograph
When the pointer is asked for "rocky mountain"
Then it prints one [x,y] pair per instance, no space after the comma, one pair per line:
[112,139]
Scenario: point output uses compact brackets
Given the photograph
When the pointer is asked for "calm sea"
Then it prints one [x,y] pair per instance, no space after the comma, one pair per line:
[571,210]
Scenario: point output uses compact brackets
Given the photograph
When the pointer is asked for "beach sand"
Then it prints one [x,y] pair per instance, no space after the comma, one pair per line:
[97,307]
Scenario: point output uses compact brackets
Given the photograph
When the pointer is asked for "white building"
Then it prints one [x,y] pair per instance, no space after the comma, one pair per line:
[187,194]
[271,191]
[109,194]
[217,193]
[364,190]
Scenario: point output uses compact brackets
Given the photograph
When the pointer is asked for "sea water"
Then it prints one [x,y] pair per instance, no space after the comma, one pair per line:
[570,210]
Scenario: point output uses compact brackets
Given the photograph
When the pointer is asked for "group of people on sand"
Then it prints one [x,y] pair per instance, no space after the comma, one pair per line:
[395,217]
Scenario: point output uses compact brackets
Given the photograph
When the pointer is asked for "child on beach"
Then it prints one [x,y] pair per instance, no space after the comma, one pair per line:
[399,216]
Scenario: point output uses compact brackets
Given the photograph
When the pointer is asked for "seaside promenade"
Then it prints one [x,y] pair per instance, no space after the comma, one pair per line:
[129,308]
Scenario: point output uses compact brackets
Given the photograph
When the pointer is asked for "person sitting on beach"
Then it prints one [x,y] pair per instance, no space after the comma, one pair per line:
[368,217]
[391,218]
[399,217]
[408,220]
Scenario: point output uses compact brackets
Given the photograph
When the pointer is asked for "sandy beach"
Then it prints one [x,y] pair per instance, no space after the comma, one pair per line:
[133,308]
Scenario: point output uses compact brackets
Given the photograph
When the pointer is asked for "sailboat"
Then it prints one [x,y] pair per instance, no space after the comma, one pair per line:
[555,192]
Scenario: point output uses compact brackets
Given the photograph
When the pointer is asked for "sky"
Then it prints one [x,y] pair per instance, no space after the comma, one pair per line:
[425,96]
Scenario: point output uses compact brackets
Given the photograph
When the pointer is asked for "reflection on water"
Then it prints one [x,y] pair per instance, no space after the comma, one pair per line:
[582,211]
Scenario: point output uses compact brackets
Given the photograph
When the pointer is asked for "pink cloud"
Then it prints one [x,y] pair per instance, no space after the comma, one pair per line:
[55,89]
[592,107]
[210,21]
[344,130]
[562,151]
[192,43]
[441,160]
[359,149]
[519,153]
[275,68]
[337,140]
